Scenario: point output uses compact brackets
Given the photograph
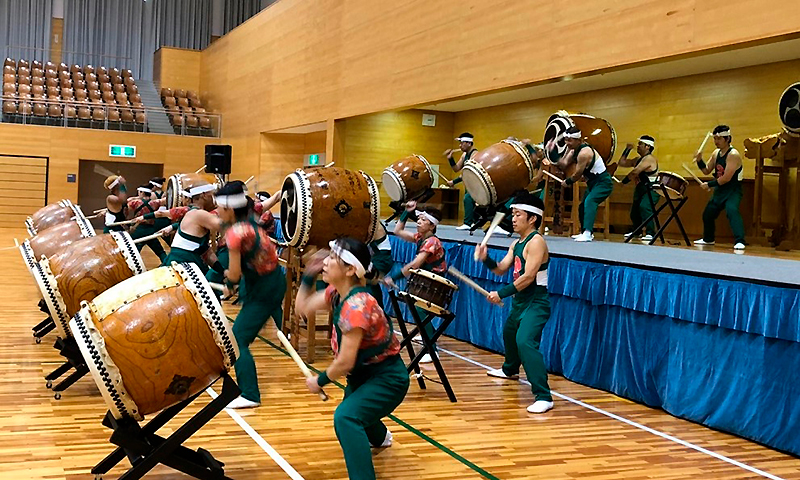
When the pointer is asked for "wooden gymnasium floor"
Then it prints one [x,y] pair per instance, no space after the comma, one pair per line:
[589,434]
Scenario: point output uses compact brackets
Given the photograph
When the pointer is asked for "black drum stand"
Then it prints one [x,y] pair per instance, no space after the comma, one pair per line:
[68,348]
[45,326]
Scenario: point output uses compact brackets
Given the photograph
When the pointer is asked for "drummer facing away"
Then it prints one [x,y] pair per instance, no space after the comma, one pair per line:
[645,165]
[530,308]
[467,146]
[726,165]
[116,203]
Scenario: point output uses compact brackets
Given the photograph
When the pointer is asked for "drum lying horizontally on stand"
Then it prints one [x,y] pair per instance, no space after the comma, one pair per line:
[155,340]
[408,178]
[184,181]
[53,240]
[492,175]
[83,271]
[674,184]
[430,291]
[597,132]
[52,215]
[327,203]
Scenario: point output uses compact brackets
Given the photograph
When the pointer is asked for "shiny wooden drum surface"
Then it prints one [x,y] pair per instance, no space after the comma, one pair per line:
[492,175]
[184,181]
[674,184]
[430,291]
[53,240]
[597,132]
[408,178]
[323,204]
[52,215]
[155,340]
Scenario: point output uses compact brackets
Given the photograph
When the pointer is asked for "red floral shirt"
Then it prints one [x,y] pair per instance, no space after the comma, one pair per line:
[433,246]
[135,203]
[242,236]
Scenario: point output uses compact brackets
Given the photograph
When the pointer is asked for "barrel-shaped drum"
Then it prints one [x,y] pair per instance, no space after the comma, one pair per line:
[327,203]
[597,132]
[789,108]
[53,240]
[51,215]
[674,185]
[83,271]
[155,340]
[430,292]
[184,181]
[492,175]
[408,178]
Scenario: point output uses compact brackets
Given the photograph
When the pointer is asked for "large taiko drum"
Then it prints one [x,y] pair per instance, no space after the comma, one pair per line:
[83,271]
[408,178]
[789,108]
[327,203]
[155,340]
[51,215]
[53,240]
[184,181]
[492,175]
[597,132]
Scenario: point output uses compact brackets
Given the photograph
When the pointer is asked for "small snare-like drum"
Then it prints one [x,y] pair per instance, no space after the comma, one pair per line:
[492,175]
[53,240]
[51,215]
[323,204]
[155,340]
[408,178]
[674,184]
[184,181]
[83,271]
[430,291]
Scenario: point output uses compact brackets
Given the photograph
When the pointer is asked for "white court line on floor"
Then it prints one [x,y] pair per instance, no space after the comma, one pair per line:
[631,423]
[259,440]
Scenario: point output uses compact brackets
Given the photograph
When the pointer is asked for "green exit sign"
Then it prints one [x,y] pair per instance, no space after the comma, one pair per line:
[313,159]
[128,151]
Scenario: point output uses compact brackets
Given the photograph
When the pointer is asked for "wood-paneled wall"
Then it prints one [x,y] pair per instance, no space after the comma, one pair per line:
[177,68]
[282,153]
[56,39]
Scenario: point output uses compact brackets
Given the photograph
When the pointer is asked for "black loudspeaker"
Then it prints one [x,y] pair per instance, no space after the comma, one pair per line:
[218,159]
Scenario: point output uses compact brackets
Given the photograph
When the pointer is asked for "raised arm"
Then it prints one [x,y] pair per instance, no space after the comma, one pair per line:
[308,301]
[709,167]
[624,161]
[400,228]
[497,268]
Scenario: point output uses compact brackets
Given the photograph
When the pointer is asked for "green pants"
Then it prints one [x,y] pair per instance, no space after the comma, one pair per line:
[180,255]
[469,209]
[219,277]
[522,334]
[144,230]
[642,207]
[262,302]
[597,191]
[728,200]
[368,398]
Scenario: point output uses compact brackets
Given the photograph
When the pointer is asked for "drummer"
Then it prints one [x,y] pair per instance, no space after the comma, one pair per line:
[265,217]
[530,309]
[219,260]
[365,348]
[116,201]
[645,166]
[467,147]
[598,180]
[726,165]
[381,251]
[140,205]
[253,260]
[157,186]
[430,252]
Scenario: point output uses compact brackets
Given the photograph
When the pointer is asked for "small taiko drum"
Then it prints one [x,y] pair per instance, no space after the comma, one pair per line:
[430,291]
[155,340]
[51,215]
[674,184]
[597,132]
[492,175]
[408,178]
[83,271]
[53,240]
[327,203]
[184,181]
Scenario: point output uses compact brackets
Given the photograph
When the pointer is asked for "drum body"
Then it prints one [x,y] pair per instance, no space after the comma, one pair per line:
[184,181]
[789,108]
[430,291]
[408,178]
[83,271]
[597,132]
[53,240]
[492,175]
[52,215]
[674,184]
[327,203]
[154,340]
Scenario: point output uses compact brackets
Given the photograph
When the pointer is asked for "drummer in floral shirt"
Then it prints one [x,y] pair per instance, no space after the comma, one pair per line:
[430,253]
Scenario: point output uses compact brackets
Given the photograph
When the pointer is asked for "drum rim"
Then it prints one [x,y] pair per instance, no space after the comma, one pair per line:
[29,227]
[426,304]
[433,276]
[304,205]
[678,195]
[374,206]
[480,172]
[526,157]
[794,130]
[673,174]
[48,286]
[427,165]
[129,252]
[27,255]
[392,173]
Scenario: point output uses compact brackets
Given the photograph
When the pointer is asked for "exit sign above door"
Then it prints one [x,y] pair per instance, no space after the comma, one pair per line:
[128,151]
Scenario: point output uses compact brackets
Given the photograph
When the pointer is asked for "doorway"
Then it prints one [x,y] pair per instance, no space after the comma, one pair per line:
[92,174]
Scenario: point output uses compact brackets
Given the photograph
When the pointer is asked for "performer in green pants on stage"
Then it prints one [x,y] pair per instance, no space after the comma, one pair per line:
[365,349]
[530,308]
[466,144]
[143,204]
[645,167]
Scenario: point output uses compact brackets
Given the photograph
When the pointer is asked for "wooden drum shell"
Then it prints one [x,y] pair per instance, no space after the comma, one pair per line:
[431,292]
[675,184]
[155,340]
[53,240]
[51,215]
[184,181]
[407,178]
[495,173]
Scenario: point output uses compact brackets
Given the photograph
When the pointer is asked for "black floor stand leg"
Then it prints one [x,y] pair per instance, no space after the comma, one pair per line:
[45,326]
[406,342]
[145,449]
[68,349]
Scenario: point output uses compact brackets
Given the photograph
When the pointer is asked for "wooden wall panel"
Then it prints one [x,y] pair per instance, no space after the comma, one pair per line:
[282,153]
[177,68]
[56,40]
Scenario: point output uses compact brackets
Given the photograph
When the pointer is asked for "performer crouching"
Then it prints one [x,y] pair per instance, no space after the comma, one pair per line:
[530,308]
[365,348]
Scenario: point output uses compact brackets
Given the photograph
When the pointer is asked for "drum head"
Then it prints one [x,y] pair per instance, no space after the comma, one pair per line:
[296,208]
[556,126]
[789,108]
[173,190]
[478,183]
[393,185]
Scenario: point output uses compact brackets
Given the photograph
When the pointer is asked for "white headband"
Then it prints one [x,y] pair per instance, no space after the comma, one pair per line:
[262,198]
[348,258]
[726,133]
[427,215]
[114,183]
[144,190]
[651,143]
[573,135]
[528,208]
[465,139]
[193,192]
[155,184]
[237,200]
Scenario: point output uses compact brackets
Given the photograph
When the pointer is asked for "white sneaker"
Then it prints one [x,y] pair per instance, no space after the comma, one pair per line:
[499,373]
[540,406]
[499,231]
[387,441]
[426,358]
[585,237]
[575,236]
[463,227]
[628,235]
[702,242]
[739,246]
[241,402]
[647,238]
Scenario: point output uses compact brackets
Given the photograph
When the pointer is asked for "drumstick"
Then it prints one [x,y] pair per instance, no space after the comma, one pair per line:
[199,169]
[148,238]
[249,180]
[117,224]
[300,363]
[329,165]
[101,210]
[553,176]
[705,140]
[686,167]
[101,170]
[470,282]
[98,214]
[498,217]
[16,242]
[442,176]
[616,179]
